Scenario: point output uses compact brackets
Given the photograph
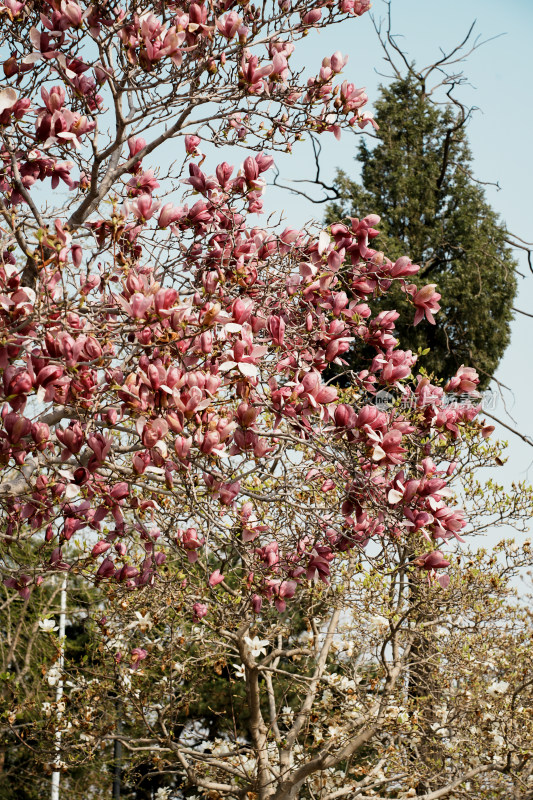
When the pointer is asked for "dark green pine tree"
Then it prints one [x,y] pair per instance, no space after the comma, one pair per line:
[417,177]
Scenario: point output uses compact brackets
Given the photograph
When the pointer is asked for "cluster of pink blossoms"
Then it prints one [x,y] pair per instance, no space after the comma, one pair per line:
[62,40]
[164,365]
[221,376]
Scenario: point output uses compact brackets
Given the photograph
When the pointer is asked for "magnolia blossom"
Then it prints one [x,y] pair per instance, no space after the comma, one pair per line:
[240,671]
[46,708]
[497,687]
[143,622]
[53,676]
[379,624]
[257,646]
[48,625]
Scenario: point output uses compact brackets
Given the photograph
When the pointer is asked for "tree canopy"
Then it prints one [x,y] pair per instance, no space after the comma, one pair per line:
[172,456]
[418,178]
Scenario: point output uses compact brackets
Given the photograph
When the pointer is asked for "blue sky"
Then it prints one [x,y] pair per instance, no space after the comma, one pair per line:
[499,84]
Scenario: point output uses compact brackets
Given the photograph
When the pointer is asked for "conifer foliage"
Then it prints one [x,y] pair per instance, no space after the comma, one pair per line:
[418,178]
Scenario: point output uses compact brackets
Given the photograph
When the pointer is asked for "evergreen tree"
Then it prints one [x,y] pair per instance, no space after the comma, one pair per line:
[417,177]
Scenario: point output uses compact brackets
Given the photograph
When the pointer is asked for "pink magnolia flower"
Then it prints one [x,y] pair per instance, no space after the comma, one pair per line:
[283,590]
[312,17]
[318,564]
[433,560]
[8,99]
[426,303]
[191,543]
[143,183]
[106,569]
[40,432]
[252,75]
[345,416]
[351,97]
[22,585]
[137,306]
[72,11]
[16,427]
[138,654]
[215,578]
[229,25]
[403,268]
[101,446]
[465,380]
[199,611]
[257,602]
[389,449]
[228,492]
[99,548]
[13,7]
[144,207]
[169,215]
[191,143]
[72,438]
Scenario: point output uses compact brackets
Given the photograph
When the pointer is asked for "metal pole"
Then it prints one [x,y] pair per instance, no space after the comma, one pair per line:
[59,691]
[117,753]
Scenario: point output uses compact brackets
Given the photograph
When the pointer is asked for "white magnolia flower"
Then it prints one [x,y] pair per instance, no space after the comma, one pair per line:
[219,748]
[47,708]
[348,649]
[239,671]
[498,687]
[307,638]
[335,732]
[48,625]
[116,642]
[397,713]
[353,714]
[143,622]
[125,680]
[327,697]
[378,623]
[53,675]
[257,645]
[162,794]
[318,735]
[346,684]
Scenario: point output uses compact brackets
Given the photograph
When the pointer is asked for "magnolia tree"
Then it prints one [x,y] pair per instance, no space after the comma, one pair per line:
[163,358]
[337,700]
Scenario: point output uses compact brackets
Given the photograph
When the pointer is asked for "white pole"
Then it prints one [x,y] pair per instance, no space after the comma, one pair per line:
[59,691]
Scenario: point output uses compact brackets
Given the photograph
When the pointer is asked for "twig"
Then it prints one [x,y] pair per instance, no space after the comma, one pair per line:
[524,437]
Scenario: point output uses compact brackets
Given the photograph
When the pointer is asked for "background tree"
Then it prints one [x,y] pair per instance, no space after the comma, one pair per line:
[30,648]
[418,177]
